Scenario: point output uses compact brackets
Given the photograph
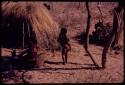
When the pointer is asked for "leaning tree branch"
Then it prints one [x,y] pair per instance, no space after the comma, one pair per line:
[87,34]
[98,6]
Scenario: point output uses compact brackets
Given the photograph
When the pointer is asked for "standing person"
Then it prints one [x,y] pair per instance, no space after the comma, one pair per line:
[32,46]
[64,42]
[14,58]
[14,54]
[32,51]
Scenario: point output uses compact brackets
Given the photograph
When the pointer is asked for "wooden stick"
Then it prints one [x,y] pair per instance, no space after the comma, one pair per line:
[100,12]
[28,29]
[23,35]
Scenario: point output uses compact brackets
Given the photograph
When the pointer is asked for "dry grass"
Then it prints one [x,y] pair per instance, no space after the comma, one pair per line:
[74,71]
[45,28]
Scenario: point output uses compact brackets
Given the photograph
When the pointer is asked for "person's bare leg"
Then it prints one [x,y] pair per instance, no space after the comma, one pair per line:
[63,54]
[66,55]
[63,59]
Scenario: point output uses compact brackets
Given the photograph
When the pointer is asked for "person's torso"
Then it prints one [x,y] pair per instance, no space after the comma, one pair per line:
[63,40]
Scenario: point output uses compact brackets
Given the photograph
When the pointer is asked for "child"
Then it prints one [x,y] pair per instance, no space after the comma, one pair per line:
[32,51]
[63,40]
[14,58]
[14,54]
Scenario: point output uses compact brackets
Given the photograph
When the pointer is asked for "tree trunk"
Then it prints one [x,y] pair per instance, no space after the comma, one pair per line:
[87,35]
[107,46]
[114,35]
[87,27]
[98,6]
[119,20]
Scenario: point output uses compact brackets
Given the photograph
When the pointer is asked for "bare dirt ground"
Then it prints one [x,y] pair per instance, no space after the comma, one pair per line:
[77,70]
[80,68]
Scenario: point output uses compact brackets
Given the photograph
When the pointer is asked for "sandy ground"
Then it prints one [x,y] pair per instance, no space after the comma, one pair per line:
[79,67]
[77,70]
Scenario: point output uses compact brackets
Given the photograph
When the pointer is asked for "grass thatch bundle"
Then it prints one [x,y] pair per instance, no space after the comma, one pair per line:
[35,15]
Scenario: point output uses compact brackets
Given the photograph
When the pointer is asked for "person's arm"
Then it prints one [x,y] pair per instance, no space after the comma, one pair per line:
[69,46]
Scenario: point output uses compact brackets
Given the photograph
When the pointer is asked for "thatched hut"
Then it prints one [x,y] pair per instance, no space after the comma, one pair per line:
[20,20]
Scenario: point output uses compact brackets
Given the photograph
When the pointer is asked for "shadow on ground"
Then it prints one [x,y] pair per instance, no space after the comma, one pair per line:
[81,37]
[82,66]
[24,66]
[7,63]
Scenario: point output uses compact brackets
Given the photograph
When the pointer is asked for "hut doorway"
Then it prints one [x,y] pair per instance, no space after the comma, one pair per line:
[16,32]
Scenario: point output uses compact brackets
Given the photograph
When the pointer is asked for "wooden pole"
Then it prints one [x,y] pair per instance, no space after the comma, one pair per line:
[28,29]
[87,27]
[98,6]
[87,35]
[23,35]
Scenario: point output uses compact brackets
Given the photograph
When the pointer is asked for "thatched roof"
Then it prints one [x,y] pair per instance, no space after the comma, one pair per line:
[45,28]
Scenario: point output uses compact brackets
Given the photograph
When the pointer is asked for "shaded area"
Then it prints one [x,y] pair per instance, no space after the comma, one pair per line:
[83,66]
[73,63]
[12,32]
[98,37]
[23,63]
[15,77]
[8,64]
[57,63]
[12,75]
[23,66]
[80,38]
[51,62]
[79,68]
